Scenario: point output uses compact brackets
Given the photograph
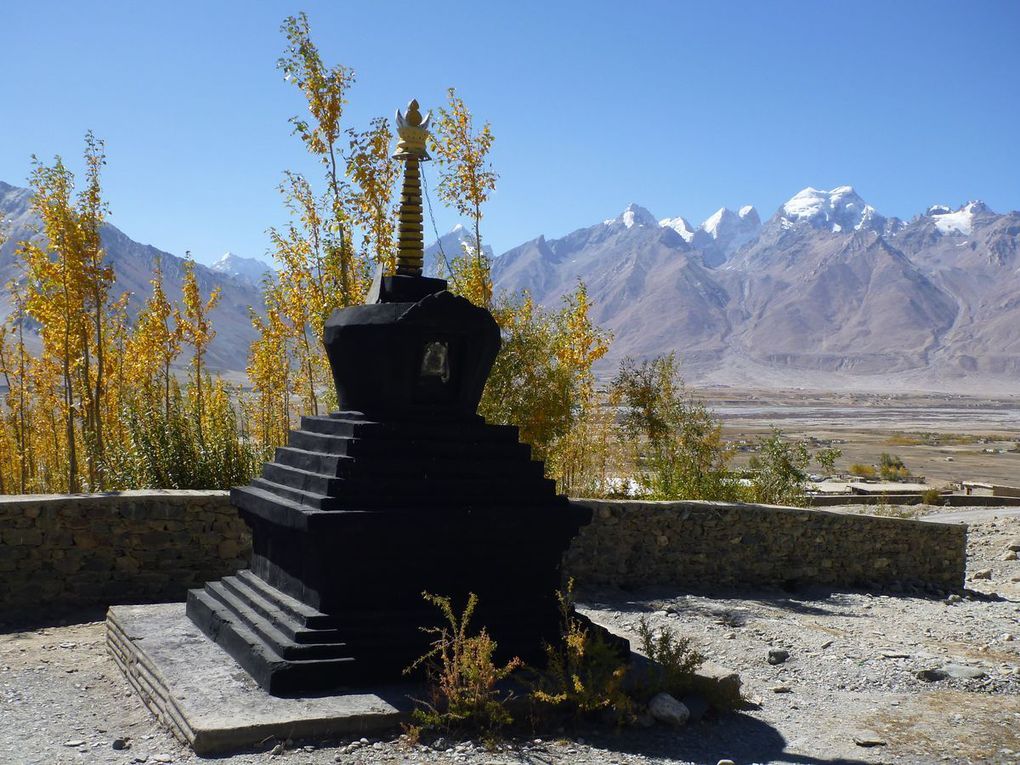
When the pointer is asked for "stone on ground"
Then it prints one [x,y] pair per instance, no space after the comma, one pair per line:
[667,709]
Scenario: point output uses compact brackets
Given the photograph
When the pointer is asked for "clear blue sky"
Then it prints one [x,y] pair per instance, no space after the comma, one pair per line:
[683,107]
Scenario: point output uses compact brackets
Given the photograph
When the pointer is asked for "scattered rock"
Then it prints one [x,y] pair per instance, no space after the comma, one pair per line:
[778,656]
[1009,555]
[895,655]
[868,738]
[985,573]
[781,689]
[120,743]
[826,644]
[954,598]
[1014,546]
[931,675]
[667,709]
[725,762]
[730,636]
[963,672]
[164,758]
[74,742]
[714,681]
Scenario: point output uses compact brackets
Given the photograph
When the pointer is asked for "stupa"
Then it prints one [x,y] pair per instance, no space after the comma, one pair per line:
[407,490]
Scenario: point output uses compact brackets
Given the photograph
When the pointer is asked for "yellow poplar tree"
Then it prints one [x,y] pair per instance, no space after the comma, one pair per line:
[375,175]
[156,342]
[467,180]
[542,380]
[197,332]
[67,293]
[325,91]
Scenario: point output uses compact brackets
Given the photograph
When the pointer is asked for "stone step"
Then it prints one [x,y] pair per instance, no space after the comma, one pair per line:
[325,493]
[429,430]
[359,447]
[282,618]
[303,500]
[420,467]
[275,674]
[300,611]
[312,483]
[264,501]
[281,644]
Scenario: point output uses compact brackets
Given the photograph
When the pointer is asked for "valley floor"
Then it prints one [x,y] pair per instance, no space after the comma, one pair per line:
[945,438]
[852,672]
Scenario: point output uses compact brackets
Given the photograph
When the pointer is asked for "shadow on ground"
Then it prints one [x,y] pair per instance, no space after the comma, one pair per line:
[735,736]
[29,619]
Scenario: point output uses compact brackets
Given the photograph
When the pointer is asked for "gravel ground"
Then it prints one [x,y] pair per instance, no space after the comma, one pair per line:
[852,673]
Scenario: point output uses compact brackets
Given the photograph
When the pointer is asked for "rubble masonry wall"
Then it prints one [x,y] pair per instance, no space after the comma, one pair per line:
[147,546]
[633,543]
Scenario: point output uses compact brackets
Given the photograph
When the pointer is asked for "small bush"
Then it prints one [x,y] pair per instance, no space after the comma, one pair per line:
[891,468]
[863,471]
[931,496]
[462,676]
[584,673]
[676,660]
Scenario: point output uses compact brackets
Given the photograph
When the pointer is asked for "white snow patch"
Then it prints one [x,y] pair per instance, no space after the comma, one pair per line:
[680,225]
[711,224]
[634,215]
[745,211]
[959,222]
[841,202]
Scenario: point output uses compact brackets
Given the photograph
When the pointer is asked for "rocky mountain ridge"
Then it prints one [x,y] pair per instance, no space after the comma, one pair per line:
[827,292]
[133,265]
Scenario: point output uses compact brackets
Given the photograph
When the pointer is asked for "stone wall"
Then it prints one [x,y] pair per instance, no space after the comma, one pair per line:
[122,547]
[140,546]
[704,543]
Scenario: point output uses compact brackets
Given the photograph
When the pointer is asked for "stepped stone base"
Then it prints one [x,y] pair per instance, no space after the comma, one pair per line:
[355,519]
[207,701]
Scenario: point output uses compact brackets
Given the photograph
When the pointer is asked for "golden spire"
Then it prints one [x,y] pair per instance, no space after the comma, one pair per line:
[413,132]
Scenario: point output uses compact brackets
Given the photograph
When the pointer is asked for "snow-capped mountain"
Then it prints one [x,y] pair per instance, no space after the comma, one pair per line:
[249,270]
[681,226]
[827,289]
[633,215]
[454,243]
[827,292]
[959,221]
[838,210]
[724,232]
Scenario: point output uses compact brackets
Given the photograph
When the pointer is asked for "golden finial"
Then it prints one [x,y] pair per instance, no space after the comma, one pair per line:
[413,132]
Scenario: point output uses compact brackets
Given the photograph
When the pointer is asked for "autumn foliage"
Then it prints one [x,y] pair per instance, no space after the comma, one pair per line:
[114,401]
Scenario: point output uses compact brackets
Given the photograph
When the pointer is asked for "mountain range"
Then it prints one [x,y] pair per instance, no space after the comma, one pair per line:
[133,264]
[827,293]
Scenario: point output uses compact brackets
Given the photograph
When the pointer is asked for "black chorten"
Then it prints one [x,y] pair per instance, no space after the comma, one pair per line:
[406,491]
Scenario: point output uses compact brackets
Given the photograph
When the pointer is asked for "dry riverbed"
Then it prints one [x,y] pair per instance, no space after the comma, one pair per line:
[849,692]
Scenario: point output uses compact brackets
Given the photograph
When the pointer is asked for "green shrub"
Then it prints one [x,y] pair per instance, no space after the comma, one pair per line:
[462,676]
[891,468]
[863,471]
[584,673]
[675,659]
[777,469]
[931,496]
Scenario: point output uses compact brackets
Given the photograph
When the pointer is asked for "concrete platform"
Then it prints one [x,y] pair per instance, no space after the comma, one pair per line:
[204,697]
